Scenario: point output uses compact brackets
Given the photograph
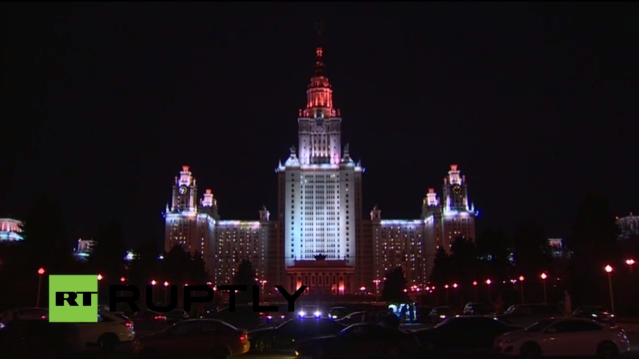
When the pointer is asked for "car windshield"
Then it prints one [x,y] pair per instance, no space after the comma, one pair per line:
[539,326]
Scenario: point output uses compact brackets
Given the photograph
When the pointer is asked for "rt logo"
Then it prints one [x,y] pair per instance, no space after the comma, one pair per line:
[73,298]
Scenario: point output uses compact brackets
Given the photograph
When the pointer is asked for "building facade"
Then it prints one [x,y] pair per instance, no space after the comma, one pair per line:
[10,230]
[320,238]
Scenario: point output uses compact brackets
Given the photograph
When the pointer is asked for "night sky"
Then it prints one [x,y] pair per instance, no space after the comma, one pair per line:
[103,104]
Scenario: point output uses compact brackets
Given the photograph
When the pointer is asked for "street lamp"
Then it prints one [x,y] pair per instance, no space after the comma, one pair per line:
[122,279]
[630,262]
[608,270]
[376,281]
[521,287]
[363,289]
[100,277]
[488,282]
[543,278]
[166,292]
[446,287]
[40,274]
[475,289]
[153,282]
[263,281]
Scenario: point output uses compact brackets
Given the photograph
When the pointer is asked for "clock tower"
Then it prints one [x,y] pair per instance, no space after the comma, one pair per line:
[184,197]
[458,213]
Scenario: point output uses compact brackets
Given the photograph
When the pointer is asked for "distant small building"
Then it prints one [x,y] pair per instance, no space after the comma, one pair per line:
[84,249]
[10,230]
[557,247]
[628,227]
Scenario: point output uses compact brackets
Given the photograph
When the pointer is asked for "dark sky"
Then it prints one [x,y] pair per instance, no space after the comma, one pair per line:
[102,104]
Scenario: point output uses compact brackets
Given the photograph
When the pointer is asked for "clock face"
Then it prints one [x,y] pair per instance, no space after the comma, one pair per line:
[456,189]
[182,190]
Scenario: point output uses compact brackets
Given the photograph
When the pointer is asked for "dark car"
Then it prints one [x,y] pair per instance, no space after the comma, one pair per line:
[37,338]
[363,341]
[462,333]
[439,314]
[479,309]
[353,318]
[287,334]
[243,317]
[176,315]
[594,312]
[338,312]
[524,315]
[194,338]
[148,320]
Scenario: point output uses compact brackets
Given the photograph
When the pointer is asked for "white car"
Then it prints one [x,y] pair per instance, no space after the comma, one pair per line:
[111,329]
[564,337]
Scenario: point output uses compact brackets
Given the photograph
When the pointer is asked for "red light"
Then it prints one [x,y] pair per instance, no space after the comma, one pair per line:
[159,317]
[242,338]
[128,324]
[43,317]
[41,271]
[122,279]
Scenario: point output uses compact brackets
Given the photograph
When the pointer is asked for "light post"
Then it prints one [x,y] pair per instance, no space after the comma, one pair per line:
[166,292]
[376,281]
[40,274]
[263,281]
[363,289]
[543,279]
[630,262]
[446,287]
[608,270]
[475,289]
[521,287]
[488,282]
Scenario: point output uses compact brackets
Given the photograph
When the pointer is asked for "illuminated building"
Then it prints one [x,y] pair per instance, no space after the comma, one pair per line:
[628,227]
[10,230]
[319,187]
[412,244]
[223,244]
[84,249]
[319,238]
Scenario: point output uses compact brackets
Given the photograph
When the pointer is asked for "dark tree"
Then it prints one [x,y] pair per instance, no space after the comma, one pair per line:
[394,285]
[198,274]
[145,265]
[463,260]
[108,254]
[176,266]
[245,275]
[493,250]
[441,268]
[46,243]
[593,243]
[532,253]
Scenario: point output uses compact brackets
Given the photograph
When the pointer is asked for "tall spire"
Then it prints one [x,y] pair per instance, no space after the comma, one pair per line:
[319,94]
[319,62]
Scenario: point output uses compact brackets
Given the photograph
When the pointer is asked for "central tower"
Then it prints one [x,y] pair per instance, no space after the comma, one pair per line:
[319,126]
[319,184]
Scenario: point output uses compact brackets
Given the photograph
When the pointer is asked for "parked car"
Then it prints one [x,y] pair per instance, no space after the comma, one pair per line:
[594,312]
[439,314]
[338,312]
[524,315]
[353,318]
[148,320]
[111,329]
[361,341]
[479,309]
[37,338]
[462,334]
[191,338]
[287,334]
[564,337]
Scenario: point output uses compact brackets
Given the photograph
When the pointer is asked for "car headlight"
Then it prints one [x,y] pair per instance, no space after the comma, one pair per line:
[301,314]
[318,314]
[442,316]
